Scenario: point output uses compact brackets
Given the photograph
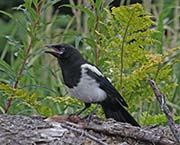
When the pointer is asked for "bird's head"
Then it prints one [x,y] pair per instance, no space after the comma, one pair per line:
[61,51]
[65,53]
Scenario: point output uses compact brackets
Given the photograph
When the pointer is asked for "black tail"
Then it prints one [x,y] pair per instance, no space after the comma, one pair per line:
[113,109]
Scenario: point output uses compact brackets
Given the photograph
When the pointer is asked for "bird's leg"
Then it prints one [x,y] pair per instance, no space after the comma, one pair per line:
[87,105]
[89,116]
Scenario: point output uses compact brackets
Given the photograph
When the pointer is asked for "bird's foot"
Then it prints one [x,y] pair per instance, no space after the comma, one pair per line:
[89,117]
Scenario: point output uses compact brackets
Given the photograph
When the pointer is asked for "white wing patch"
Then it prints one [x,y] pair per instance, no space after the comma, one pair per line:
[87,90]
[92,68]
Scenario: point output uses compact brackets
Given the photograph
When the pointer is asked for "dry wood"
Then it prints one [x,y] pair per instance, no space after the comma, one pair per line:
[18,129]
[161,99]
[84,133]
[126,130]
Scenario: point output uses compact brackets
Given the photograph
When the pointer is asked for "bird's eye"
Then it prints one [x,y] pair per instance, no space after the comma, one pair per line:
[62,50]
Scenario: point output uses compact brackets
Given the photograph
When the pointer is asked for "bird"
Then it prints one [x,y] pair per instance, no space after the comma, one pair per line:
[86,82]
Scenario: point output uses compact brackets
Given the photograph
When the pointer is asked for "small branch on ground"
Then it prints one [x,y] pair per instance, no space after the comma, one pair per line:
[161,99]
[74,128]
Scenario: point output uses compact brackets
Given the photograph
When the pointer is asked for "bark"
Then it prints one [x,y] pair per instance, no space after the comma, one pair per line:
[162,102]
[60,130]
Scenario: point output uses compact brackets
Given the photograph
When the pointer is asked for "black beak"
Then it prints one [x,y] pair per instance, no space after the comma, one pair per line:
[55,52]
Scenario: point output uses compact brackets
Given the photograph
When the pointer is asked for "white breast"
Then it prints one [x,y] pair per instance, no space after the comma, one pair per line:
[88,89]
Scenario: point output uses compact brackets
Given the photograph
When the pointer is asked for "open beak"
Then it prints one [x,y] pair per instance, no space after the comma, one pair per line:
[55,51]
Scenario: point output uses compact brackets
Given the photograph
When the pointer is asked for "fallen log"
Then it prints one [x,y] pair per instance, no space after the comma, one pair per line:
[18,129]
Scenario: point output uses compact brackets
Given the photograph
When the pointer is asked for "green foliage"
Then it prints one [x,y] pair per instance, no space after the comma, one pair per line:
[127,33]
[25,100]
[24,48]
[147,119]
[164,12]
[123,41]
[30,103]
[7,69]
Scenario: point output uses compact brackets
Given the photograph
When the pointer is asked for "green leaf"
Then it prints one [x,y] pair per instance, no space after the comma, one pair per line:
[81,8]
[98,4]
[43,110]
[30,10]
[36,3]
[91,19]
[2,110]
[6,13]
[7,69]
[13,41]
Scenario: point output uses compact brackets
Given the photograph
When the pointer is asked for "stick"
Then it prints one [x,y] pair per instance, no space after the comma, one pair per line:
[161,99]
[83,132]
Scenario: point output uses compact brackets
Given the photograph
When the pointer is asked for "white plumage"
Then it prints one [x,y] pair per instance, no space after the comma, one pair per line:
[92,68]
[88,90]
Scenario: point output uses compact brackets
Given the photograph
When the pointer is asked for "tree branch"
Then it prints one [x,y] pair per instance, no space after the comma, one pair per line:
[161,99]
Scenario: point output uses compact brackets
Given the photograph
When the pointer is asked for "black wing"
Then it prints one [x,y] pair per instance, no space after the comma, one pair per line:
[107,86]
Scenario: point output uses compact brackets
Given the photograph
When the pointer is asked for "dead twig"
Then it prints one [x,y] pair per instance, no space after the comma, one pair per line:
[73,127]
[161,99]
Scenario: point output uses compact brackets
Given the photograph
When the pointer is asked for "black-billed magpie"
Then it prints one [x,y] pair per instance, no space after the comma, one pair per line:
[88,84]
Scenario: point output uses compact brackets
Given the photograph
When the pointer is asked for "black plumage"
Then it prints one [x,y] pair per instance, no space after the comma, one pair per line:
[88,84]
